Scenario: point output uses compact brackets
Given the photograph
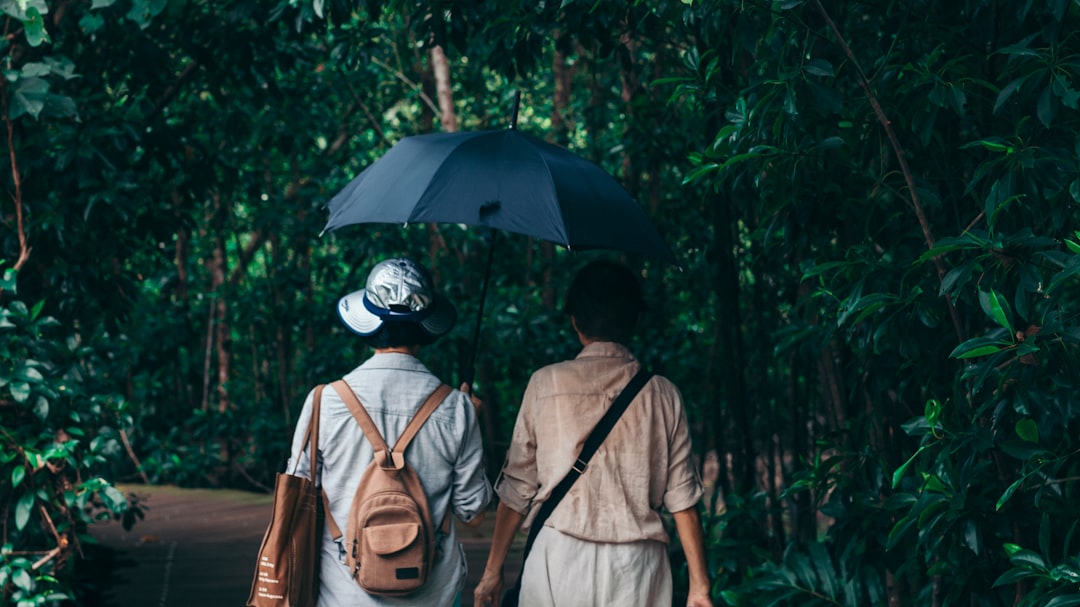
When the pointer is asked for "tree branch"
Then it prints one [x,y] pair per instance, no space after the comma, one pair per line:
[416,87]
[916,203]
[24,249]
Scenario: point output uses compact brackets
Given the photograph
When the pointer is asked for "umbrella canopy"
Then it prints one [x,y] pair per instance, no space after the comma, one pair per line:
[501,179]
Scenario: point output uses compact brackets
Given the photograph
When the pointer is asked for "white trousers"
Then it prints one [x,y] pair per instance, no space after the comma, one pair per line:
[563,571]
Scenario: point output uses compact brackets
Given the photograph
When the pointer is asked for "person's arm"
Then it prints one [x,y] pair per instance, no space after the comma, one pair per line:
[489,589]
[688,526]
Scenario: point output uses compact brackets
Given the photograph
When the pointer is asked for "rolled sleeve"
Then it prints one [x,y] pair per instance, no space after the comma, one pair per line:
[684,488]
[517,484]
[472,491]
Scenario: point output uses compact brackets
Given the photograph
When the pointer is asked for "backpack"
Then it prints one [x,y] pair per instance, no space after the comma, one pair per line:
[389,540]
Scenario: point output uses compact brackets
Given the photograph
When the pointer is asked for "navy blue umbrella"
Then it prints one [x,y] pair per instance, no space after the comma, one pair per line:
[502,180]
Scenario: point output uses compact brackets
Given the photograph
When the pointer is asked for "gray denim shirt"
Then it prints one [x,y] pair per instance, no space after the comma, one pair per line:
[447,455]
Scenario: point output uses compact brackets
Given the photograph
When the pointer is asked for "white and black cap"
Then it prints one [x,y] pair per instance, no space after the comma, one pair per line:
[398,290]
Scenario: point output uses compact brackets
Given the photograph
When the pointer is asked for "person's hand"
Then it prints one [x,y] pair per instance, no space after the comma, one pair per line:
[472,395]
[488,590]
[698,600]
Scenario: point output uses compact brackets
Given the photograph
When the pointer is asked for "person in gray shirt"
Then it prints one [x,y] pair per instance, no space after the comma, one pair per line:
[397,313]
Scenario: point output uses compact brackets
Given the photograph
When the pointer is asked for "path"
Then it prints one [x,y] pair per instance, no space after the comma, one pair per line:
[196,547]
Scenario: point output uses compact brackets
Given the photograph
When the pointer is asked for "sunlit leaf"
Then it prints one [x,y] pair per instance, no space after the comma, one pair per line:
[996,307]
[1028,430]
[18,473]
[22,510]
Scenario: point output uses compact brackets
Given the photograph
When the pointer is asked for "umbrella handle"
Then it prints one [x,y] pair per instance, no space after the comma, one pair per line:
[517,103]
[469,374]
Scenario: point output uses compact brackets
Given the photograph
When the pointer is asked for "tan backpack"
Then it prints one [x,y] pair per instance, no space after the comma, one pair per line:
[389,539]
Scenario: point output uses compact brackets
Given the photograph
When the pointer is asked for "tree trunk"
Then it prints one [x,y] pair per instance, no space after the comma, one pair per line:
[731,350]
[282,344]
[222,333]
[440,67]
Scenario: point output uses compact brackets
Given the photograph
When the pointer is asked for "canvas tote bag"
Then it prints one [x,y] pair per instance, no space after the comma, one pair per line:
[287,567]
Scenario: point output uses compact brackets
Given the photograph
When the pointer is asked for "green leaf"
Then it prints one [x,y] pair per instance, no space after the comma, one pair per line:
[20,391]
[18,473]
[101,4]
[1028,430]
[994,144]
[1009,492]
[28,97]
[41,408]
[997,308]
[1012,576]
[932,411]
[898,475]
[1047,107]
[1067,600]
[22,510]
[1029,558]
[35,27]
[8,283]
[23,580]
[979,346]
[819,67]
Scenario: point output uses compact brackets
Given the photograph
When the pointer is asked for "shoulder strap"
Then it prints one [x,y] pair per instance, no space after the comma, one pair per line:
[596,437]
[378,443]
[433,401]
[312,434]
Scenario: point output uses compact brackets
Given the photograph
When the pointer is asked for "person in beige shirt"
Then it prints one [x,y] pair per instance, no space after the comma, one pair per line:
[605,542]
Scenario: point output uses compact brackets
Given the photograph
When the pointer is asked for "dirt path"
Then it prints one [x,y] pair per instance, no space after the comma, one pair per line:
[196,547]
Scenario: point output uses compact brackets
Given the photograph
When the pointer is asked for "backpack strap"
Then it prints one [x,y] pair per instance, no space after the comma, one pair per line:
[426,409]
[387,457]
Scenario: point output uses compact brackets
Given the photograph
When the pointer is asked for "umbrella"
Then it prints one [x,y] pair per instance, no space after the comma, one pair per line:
[501,180]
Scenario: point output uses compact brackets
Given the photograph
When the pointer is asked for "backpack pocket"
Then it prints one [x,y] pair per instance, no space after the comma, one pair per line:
[386,540]
[391,554]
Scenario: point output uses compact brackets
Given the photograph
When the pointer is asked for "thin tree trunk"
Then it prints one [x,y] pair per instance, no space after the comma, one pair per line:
[209,356]
[562,74]
[281,337]
[732,350]
[223,339]
[631,86]
[440,67]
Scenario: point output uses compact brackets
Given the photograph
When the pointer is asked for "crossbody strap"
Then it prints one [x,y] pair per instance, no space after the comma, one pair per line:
[592,443]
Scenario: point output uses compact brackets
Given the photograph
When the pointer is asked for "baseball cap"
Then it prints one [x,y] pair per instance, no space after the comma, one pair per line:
[397,290]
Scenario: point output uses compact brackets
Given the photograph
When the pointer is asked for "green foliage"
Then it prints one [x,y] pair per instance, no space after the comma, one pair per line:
[874,208]
[933,264]
[57,440]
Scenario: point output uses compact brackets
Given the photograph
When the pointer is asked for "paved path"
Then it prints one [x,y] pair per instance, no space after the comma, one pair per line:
[196,547]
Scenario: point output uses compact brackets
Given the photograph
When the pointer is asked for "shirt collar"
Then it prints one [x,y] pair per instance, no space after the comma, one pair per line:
[605,349]
[393,360]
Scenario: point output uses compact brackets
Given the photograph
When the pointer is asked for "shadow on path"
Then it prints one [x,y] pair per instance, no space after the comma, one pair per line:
[196,547]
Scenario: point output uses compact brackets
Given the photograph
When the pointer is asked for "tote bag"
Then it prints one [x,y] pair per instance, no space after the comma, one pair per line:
[287,566]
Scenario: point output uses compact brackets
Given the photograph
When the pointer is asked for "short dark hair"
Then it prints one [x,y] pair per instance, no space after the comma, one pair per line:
[605,300]
[394,334]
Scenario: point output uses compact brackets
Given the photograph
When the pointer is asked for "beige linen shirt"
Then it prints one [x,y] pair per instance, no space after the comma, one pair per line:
[643,465]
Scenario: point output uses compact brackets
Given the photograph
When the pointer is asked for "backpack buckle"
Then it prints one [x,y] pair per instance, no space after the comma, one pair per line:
[579,466]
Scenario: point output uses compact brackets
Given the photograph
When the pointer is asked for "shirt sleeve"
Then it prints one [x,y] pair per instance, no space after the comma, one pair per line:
[472,490]
[684,488]
[517,483]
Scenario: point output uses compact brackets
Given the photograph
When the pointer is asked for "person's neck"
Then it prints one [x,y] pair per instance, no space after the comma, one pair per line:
[410,350]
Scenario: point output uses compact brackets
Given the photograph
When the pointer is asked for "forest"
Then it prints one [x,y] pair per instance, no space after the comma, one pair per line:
[873,318]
